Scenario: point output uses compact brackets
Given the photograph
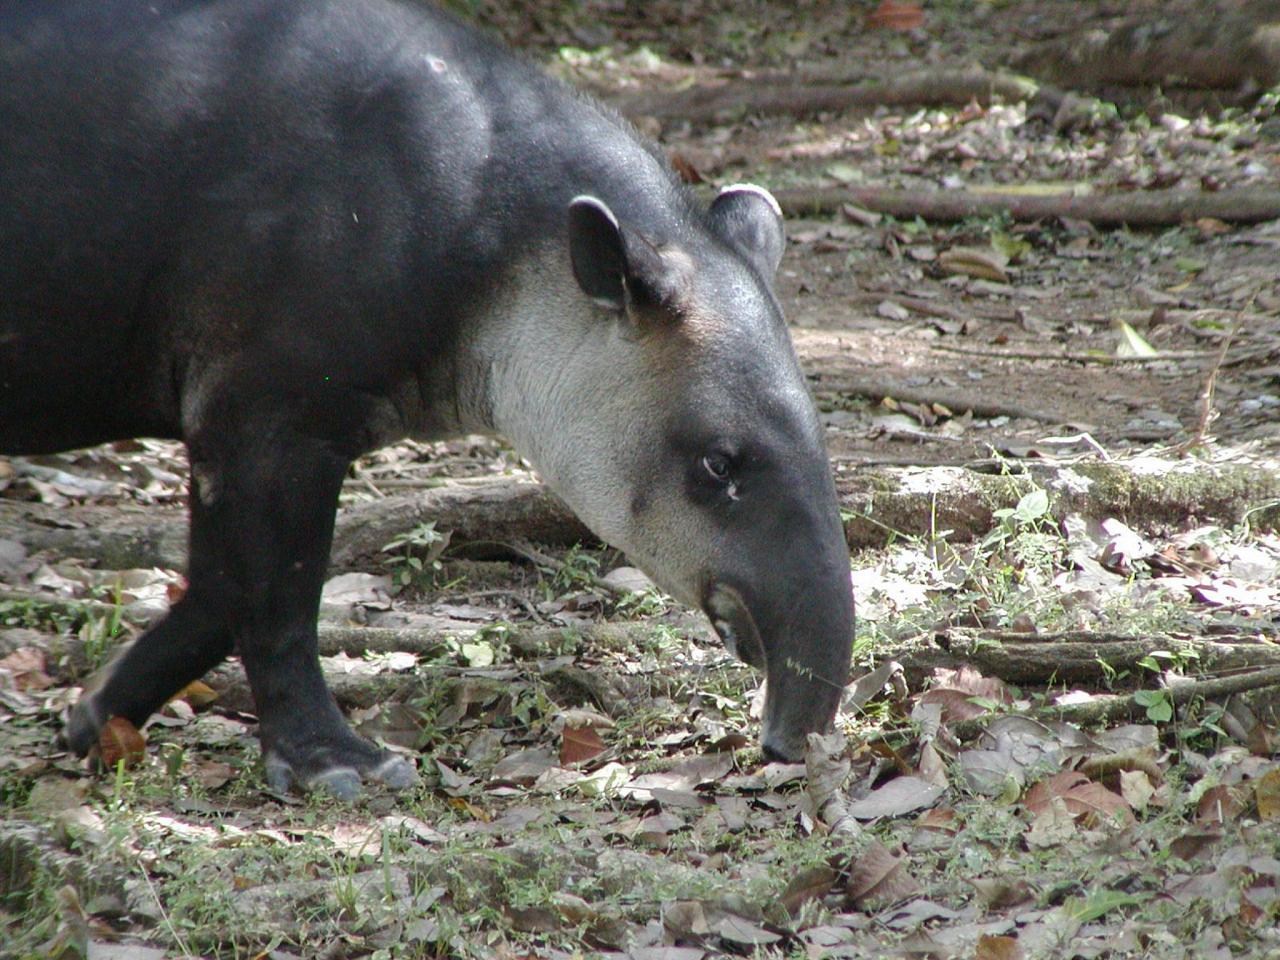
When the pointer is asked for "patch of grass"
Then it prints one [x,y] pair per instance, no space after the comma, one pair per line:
[33,615]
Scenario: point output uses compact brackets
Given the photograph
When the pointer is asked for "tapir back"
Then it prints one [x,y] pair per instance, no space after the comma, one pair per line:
[310,185]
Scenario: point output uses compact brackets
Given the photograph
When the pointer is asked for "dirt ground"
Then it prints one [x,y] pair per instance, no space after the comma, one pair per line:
[539,699]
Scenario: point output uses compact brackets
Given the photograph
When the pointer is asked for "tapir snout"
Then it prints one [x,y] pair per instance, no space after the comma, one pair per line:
[782,603]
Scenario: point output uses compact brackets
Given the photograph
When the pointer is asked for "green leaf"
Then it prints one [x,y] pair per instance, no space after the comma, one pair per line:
[1131,343]
[477,654]
[1011,248]
[1032,506]
[844,172]
[1099,904]
[1159,708]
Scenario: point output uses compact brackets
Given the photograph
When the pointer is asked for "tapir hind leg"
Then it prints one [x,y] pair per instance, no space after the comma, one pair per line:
[263,498]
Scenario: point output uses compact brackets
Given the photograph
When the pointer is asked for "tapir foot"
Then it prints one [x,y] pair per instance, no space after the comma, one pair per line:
[337,764]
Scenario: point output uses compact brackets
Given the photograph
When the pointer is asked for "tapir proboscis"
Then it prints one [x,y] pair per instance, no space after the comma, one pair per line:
[288,232]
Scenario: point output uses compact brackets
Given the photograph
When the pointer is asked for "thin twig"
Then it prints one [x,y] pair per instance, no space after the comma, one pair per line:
[1075,356]
[1207,414]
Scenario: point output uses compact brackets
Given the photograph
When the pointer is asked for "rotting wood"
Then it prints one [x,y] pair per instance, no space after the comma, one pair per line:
[1150,208]
[491,509]
[801,95]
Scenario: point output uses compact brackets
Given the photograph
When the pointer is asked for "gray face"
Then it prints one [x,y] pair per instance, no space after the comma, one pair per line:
[679,428]
[737,515]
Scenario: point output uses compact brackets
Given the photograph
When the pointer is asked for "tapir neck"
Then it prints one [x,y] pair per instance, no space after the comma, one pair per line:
[546,373]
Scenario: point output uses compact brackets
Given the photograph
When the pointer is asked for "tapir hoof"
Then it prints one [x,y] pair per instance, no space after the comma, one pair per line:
[339,772]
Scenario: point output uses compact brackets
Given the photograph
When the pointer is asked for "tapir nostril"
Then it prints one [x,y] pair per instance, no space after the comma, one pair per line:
[734,624]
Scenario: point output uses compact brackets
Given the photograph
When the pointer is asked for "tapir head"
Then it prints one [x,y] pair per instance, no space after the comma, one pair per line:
[685,435]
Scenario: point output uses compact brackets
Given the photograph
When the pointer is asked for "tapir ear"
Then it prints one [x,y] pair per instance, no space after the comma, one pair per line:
[595,246]
[618,267]
[749,219]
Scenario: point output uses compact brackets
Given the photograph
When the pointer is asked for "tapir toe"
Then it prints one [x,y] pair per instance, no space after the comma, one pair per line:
[341,780]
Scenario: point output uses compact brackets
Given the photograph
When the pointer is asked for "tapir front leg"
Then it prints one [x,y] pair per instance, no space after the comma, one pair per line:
[264,491]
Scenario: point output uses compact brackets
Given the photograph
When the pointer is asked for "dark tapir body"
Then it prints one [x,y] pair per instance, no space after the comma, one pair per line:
[291,231]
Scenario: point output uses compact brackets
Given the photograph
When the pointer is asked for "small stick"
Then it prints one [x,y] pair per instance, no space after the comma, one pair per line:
[1207,413]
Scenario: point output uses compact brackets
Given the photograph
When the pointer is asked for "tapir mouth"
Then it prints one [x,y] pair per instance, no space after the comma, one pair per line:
[733,623]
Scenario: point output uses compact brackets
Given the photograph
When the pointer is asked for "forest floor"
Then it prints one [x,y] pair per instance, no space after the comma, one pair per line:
[1057,448]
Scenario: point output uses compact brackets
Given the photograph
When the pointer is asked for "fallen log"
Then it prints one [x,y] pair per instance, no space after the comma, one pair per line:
[1133,707]
[497,509]
[878,503]
[1152,208]
[798,95]
[1215,46]
[124,538]
[956,400]
[1079,659]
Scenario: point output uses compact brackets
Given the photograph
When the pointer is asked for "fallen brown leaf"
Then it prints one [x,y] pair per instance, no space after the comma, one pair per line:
[26,666]
[809,884]
[984,264]
[896,15]
[899,796]
[197,693]
[120,741]
[998,894]
[1083,798]
[1221,804]
[1267,793]
[877,877]
[998,948]
[578,744]
[741,931]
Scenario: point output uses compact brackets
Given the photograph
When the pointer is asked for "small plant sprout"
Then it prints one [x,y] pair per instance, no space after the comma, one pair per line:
[415,555]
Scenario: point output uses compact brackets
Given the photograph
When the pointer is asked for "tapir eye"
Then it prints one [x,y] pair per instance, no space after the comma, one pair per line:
[716,464]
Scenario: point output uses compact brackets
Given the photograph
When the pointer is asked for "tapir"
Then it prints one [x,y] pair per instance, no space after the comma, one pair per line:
[288,232]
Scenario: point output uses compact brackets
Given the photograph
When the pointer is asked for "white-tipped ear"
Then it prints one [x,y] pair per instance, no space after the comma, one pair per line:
[618,267]
[758,190]
[596,251]
[749,219]
[587,200]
